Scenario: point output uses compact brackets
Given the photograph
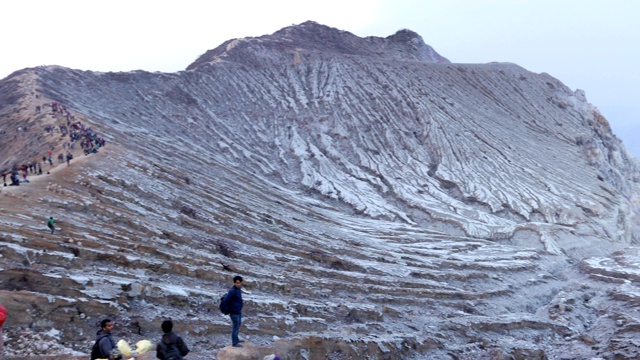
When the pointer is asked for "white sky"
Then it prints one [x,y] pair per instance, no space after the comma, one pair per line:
[592,45]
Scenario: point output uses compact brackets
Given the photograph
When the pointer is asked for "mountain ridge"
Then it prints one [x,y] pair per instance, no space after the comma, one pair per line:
[290,44]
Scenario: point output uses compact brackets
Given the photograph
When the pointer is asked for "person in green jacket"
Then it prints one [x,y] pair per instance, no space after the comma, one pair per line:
[51,225]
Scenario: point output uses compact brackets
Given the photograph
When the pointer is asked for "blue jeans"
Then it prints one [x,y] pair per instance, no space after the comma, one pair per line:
[236,320]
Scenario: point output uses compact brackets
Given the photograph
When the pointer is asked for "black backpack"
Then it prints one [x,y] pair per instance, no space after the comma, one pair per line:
[224,305]
[95,350]
[170,351]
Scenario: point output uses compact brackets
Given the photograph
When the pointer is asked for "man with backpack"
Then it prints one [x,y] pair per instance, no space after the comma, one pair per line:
[104,341]
[233,302]
[171,347]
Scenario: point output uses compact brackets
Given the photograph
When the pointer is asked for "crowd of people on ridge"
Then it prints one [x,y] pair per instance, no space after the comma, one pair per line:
[78,134]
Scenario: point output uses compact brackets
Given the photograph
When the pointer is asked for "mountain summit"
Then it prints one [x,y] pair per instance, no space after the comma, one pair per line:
[295,43]
[380,202]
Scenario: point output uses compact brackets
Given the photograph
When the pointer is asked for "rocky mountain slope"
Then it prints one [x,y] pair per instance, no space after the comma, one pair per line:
[380,201]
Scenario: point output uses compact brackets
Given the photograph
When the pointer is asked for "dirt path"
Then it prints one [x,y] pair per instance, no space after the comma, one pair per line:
[39,182]
[49,174]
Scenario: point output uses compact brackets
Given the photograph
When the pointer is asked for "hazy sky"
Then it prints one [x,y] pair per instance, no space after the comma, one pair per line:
[588,44]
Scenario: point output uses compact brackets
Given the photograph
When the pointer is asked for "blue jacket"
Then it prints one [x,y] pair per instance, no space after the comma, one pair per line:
[106,343]
[234,299]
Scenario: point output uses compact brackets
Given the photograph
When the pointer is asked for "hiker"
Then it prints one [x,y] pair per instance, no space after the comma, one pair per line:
[15,181]
[104,341]
[4,178]
[234,299]
[171,347]
[3,317]
[69,157]
[51,224]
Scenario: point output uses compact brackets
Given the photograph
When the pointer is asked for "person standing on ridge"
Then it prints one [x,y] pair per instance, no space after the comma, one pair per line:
[51,224]
[234,299]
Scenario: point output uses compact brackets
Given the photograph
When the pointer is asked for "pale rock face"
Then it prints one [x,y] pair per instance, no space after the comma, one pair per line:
[378,199]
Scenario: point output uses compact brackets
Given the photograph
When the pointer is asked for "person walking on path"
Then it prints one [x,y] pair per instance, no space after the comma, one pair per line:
[171,347]
[234,299]
[51,224]
[104,341]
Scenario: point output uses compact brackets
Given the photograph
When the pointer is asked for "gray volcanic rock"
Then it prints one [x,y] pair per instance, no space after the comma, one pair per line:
[311,39]
[380,202]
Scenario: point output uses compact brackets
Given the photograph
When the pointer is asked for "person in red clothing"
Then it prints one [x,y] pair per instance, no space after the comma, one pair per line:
[3,317]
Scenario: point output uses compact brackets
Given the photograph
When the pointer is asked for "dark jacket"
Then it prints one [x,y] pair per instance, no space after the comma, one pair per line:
[106,343]
[234,299]
[169,339]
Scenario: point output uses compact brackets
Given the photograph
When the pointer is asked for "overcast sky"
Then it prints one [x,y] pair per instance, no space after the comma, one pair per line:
[592,45]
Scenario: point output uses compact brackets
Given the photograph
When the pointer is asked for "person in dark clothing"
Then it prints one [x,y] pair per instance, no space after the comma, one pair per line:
[234,299]
[15,181]
[171,344]
[104,339]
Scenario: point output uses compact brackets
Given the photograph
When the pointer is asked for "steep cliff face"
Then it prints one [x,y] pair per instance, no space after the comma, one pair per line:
[355,182]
